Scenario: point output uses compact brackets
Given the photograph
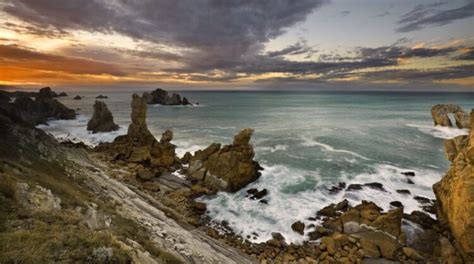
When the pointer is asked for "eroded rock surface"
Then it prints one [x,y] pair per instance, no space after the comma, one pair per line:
[140,146]
[455,191]
[102,119]
[440,115]
[227,168]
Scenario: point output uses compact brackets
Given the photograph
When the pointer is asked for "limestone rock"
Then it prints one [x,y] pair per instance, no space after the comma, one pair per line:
[102,119]
[228,168]
[440,116]
[140,146]
[455,195]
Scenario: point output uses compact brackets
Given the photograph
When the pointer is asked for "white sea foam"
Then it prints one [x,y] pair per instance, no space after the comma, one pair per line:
[307,142]
[279,147]
[297,194]
[440,131]
[76,131]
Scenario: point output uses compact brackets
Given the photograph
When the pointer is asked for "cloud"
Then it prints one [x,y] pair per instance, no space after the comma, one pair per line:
[299,48]
[468,54]
[429,15]
[345,13]
[34,30]
[20,57]
[395,52]
[214,33]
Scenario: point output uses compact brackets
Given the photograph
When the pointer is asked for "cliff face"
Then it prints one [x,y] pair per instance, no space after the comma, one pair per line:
[455,192]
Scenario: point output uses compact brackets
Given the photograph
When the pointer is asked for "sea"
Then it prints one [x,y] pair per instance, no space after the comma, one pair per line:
[306,142]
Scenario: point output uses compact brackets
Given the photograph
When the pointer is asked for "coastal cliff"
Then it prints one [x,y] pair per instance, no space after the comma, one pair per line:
[455,192]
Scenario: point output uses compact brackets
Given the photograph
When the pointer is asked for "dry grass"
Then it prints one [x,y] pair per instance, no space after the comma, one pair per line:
[7,187]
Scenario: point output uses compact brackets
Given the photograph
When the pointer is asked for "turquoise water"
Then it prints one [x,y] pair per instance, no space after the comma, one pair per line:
[305,141]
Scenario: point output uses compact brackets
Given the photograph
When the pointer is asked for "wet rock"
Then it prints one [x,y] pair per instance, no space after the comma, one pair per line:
[100,96]
[102,119]
[342,206]
[264,201]
[62,94]
[421,218]
[277,240]
[259,194]
[410,181]
[228,168]
[375,186]
[77,97]
[422,200]
[396,204]
[354,187]
[408,173]
[337,188]
[328,211]
[252,191]
[403,191]
[298,227]
[186,158]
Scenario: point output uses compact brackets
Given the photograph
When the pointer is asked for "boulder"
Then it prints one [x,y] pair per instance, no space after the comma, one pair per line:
[455,195]
[77,97]
[298,227]
[100,96]
[160,96]
[390,222]
[229,168]
[440,116]
[102,119]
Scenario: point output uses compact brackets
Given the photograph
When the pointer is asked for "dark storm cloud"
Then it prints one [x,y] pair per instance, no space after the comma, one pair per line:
[298,48]
[394,52]
[216,32]
[456,72]
[429,15]
[469,55]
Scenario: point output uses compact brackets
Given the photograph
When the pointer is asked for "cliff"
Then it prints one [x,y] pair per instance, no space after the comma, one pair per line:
[455,192]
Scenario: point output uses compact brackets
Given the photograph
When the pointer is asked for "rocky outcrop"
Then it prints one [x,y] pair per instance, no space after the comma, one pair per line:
[440,115]
[160,96]
[227,168]
[38,110]
[455,192]
[140,146]
[102,119]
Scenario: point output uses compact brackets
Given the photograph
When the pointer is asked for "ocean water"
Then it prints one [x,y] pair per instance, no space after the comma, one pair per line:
[306,142]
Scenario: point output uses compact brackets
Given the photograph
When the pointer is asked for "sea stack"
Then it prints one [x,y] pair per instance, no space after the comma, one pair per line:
[160,96]
[455,192]
[102,119]
[140,146]
[229,168]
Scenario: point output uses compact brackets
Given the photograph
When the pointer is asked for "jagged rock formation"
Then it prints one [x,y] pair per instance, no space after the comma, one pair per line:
[160,96]
[455,191]
[228,168]
[36,111]
[102,119]
[440,116]
[140,146]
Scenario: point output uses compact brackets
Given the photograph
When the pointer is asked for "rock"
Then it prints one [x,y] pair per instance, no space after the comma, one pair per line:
[77,97]
[252,191]
[411,253]
[376,186]
[455,196]
[396,204]
[298,227]
[328,211]
[186,158]
[229,168]
[351,221]
[354,187]
[140,146]
[410,181]
[452,147]
[403,191]
[101,97]
[102,119]
[62,94]
[408,173]
[160,96]
[145,175]
[385,243]
[342,206]
[440,116]
[37,198]
[422,200]
[335,189]
[421,219]
[370,249]
[277,240]
[329,244]
[370,214]
[259,194]
[390,222]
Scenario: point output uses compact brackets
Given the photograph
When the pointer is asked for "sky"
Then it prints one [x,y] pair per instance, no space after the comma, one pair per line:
[237,44]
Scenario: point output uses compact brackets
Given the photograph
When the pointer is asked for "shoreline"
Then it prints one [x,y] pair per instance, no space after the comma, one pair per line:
[168,203]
